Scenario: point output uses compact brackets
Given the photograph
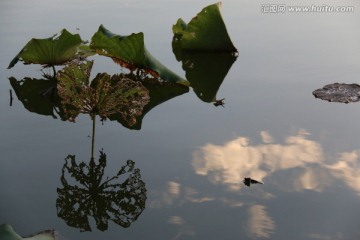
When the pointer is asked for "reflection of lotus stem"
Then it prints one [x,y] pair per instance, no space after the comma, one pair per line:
[54,70]
[138,73]
[11,98]
[93,137]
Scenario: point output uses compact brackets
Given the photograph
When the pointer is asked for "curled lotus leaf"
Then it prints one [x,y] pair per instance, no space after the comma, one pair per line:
[52,51]
[205,32]
[104,96]
[130,52]
[339,92]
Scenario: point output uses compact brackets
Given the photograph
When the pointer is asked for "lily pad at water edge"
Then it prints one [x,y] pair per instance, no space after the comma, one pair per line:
[339,92]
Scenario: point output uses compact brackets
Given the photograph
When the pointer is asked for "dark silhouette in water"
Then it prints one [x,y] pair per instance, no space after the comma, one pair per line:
[249,181]
[220,102]
[86,193]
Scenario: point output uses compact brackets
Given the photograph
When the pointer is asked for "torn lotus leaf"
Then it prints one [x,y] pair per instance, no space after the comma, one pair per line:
[105,95]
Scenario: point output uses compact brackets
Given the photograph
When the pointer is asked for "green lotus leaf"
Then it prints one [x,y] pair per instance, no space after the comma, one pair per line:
[104,96]
[130,52]
[179,27]
[8,233]
[205,32]
[52,51]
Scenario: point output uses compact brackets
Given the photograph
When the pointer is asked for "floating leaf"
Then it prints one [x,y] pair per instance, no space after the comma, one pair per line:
[106,95]
[130,52]
[120,198]
[204,70]
[52,51]
[339,92]
[205,32]
[8,233]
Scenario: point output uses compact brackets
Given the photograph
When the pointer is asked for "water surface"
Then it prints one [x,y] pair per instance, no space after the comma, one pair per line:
[193,156]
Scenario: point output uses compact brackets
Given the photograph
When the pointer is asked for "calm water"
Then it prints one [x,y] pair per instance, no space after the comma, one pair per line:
[193,156]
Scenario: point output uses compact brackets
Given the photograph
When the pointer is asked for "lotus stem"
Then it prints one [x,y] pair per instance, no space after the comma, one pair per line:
[11,97]
[138,73]
[93,137]
[54,70]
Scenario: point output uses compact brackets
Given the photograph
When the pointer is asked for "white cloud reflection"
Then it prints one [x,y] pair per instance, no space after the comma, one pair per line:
[260,224]
[176,220]
[230,163]
[173,193]
[348,169]
[297,164]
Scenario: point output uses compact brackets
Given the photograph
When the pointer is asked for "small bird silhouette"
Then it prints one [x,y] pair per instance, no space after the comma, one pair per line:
[249,181]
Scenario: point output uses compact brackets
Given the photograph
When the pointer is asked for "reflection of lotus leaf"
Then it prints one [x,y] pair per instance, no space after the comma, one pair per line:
[38,96]
[339,92]
[121,202]
[204,70]
[104,96]
[41,96]
[158,92]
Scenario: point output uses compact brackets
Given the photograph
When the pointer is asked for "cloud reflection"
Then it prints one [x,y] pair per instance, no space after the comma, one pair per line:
[228,164]
[348,169]
[260,224]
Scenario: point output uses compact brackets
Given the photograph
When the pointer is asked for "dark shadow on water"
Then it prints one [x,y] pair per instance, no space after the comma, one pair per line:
[249,181]
[86,193]
[205,71]
[38,96]
[41,96]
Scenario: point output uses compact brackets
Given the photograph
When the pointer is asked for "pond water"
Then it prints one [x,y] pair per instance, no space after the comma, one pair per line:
[193,156]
